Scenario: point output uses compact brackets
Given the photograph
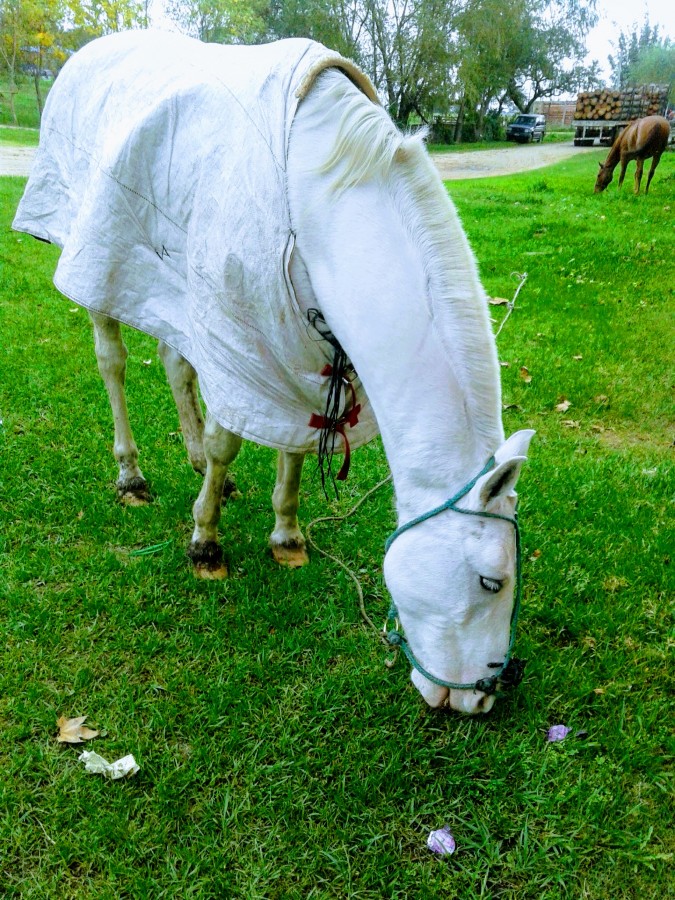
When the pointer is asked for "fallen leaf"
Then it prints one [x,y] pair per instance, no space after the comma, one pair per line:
[601,400]
[73,731]
[504,365]
[598,690]
[147,362]
[525,374]
[498,301]
[563,406]
[535,555]
[571,423]
[578,357]
[510,406]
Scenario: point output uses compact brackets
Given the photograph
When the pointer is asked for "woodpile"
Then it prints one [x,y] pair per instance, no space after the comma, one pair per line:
[631,103]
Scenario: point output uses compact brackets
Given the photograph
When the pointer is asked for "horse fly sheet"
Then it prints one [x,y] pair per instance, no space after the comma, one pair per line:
[161,173]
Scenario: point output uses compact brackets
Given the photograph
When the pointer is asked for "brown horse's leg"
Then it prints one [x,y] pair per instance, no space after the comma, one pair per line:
[111,355]
[287,541]
[220,448]
[655,162]
[624,166]
[639,166]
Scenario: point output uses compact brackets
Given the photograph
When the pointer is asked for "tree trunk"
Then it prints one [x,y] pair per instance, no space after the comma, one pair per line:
[38,92]
[457,137]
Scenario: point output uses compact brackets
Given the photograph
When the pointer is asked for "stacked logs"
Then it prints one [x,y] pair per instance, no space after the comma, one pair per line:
[631,103]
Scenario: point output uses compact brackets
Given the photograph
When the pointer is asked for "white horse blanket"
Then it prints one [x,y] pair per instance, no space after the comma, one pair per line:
[161,173]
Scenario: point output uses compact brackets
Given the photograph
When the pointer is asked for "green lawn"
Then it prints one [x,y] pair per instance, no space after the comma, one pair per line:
[25,102]
[279,757]
[24,137]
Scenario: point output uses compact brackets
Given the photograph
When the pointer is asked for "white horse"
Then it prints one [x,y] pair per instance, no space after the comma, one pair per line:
[380,251]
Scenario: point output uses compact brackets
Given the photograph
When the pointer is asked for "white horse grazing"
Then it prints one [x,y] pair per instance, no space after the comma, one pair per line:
[352,220]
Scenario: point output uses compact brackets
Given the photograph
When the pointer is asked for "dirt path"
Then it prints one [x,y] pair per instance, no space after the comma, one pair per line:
[16,160]
[506,161]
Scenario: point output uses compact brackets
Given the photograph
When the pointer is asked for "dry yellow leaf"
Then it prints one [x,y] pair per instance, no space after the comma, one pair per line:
[563,406]
[525,374]
[74,731]
[570,423]
[498,301]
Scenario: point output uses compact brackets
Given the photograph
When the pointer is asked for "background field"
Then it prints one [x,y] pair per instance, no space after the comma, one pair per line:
[279,757]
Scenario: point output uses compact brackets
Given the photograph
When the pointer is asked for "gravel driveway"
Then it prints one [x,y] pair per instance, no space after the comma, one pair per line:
[506,161]
[472,164]
[15,160]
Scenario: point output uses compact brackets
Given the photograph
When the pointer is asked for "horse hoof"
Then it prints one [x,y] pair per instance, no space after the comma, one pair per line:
[134,492]
[292,554]
[207,573]
[207,559]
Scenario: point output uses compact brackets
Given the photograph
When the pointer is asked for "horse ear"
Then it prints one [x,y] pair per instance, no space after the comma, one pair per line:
[501,481]
[517,445]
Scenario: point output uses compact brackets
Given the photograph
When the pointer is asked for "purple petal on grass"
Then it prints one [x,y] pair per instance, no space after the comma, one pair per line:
[441,841]
[558,733]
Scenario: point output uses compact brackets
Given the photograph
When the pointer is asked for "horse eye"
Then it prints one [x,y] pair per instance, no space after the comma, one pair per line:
[491,584]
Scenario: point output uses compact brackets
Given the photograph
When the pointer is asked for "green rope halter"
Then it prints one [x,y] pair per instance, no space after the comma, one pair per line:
[511,670]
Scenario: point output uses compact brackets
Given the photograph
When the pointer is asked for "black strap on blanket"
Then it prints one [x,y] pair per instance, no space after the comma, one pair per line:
[340,374]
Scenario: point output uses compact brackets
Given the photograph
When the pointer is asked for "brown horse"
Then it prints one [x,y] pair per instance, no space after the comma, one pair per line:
[641,140]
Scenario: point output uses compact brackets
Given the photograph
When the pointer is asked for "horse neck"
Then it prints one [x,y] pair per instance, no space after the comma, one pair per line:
[370,281]
[614,155]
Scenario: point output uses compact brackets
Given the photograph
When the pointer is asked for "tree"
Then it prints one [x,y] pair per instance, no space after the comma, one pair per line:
[629,47]
[405,46]
[339,24]
[490,50]
[655,65]
[28,42]
[97,17]
[552,37]
[221,21]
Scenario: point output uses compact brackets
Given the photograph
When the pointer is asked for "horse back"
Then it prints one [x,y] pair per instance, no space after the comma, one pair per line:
[645,138]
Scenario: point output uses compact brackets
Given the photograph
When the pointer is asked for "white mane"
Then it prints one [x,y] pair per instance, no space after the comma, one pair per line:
[369,146]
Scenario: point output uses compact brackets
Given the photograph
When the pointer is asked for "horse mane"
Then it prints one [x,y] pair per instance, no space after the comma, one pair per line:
[370,146]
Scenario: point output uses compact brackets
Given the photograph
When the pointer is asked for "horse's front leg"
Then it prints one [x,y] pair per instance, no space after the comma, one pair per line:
[624,166]
[287,541]
[220,448]
[111,355]
[652,169]
[639,166]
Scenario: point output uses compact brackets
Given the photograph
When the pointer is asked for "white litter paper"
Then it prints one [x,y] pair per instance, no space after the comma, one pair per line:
[97,765]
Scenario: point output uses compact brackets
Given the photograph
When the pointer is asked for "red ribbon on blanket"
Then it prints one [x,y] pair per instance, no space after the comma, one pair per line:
[350,418]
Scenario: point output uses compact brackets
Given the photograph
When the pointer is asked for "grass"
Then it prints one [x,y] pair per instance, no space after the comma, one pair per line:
[25,102]
[24,137]
[279,757]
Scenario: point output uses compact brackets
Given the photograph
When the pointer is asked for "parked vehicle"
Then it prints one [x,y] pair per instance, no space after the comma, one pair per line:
[600,115]
[527,128]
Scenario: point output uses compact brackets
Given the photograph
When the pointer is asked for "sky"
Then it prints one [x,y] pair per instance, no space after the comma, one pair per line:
[619,15]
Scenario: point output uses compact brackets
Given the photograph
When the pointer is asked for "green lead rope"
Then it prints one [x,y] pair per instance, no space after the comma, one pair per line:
[511,670]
